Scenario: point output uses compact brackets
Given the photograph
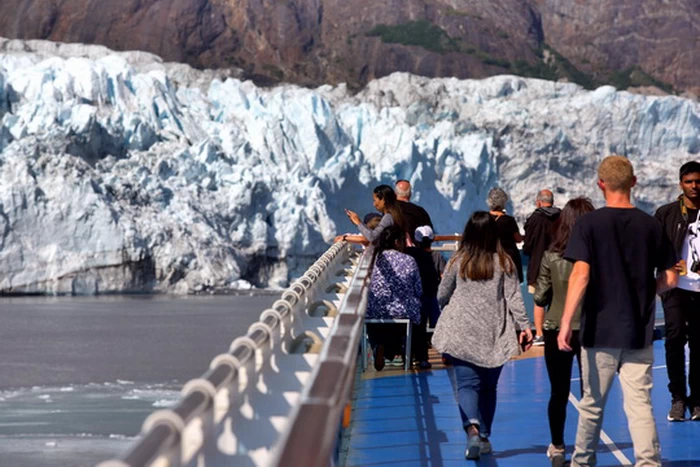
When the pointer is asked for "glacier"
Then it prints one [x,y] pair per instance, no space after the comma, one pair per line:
[122,173]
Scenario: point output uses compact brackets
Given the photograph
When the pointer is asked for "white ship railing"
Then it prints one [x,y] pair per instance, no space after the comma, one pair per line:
[281,395]
[235,413]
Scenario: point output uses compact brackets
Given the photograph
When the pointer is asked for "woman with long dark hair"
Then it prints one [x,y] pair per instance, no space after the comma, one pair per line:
[483,310]
[552,285]
[384,201]
[394,292]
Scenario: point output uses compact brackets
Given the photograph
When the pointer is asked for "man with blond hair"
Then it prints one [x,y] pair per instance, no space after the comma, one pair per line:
[622,259]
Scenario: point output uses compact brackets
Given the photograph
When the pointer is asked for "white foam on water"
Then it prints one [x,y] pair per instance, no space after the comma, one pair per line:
[131,390]
[121,437]
[164,403]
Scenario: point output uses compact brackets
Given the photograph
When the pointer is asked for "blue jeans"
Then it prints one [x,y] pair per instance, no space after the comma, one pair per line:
[476,394]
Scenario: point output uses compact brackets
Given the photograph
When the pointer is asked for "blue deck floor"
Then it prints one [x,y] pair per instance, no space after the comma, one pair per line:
[413,420]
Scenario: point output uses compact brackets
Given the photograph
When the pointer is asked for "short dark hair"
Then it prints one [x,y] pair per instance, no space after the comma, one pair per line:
[369,216]
[391,238]
[688,168]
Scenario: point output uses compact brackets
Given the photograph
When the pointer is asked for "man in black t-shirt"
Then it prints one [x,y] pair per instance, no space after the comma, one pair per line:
[622,259]
[682,304]
[413,215]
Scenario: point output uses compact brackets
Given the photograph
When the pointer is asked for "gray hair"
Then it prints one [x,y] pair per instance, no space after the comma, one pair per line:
[497,199]
[545,197]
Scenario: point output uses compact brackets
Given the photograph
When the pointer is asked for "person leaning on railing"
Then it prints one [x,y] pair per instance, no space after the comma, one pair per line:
[384,201]
[371,221]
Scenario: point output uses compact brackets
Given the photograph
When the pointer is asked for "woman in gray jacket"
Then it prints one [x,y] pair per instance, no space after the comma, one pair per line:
[483,309]
[550,291]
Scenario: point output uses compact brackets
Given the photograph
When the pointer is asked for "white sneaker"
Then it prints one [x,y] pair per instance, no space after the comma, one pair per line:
[556,455]
[538,341]
[397,361]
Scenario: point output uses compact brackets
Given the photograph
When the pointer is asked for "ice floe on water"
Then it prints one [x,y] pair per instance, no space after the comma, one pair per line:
[156,393]
[52,426]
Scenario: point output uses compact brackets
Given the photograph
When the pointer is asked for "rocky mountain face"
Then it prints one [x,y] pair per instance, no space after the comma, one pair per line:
[622,42]
[625,40]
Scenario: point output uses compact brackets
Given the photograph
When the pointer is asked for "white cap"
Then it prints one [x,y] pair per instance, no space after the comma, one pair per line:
[423,232]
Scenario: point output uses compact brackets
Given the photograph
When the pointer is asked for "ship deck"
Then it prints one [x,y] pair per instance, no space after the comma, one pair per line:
[412,419]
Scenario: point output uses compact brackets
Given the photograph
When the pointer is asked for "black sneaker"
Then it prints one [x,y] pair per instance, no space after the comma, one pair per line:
[473,451]
[425,365]
[677,412]
[695,414]
[379,357]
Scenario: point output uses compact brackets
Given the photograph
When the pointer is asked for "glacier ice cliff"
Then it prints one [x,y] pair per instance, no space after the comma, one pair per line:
[119,172]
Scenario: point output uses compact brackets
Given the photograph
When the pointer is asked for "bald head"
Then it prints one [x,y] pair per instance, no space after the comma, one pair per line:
[545,198]
[402,188]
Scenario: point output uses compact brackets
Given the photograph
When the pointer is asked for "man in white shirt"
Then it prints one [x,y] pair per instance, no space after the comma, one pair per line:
[682,305]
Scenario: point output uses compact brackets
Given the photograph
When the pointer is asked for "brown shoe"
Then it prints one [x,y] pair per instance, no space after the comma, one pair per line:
[677,412]
[695,414]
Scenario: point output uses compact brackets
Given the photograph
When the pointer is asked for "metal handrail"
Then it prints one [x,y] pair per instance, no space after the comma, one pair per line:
[316,419]
[309,436]
[163,430]
[161,435]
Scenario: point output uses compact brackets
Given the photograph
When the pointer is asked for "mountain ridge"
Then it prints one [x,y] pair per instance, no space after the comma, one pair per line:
[312,42]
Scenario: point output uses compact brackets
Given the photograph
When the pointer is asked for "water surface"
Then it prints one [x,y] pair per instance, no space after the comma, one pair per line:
[78,375]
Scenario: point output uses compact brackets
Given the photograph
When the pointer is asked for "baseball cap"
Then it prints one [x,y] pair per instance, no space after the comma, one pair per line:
[369,216]
[424,232]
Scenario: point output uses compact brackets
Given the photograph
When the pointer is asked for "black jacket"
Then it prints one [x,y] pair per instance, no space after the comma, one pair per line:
[537,238]
[675,226]
[414,216]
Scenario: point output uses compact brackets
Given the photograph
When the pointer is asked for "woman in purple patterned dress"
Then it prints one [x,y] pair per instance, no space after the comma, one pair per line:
[394,292]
